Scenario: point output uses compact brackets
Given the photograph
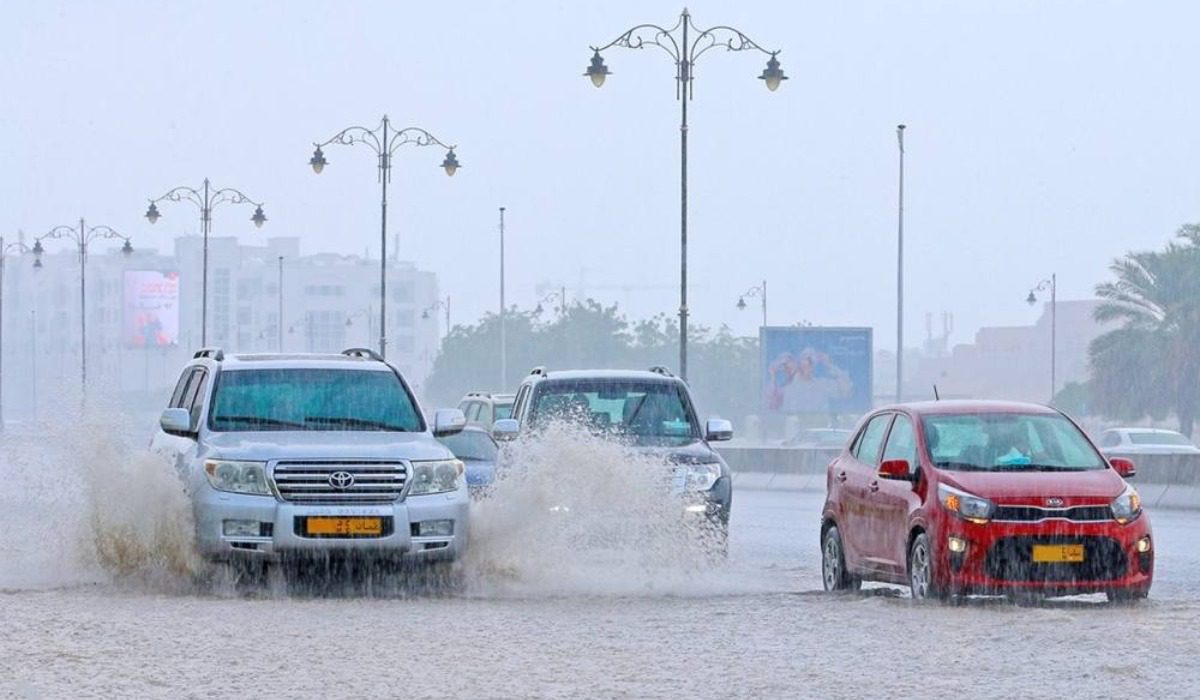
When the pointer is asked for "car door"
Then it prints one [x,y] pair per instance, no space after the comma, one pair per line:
[851,475]
[889,501]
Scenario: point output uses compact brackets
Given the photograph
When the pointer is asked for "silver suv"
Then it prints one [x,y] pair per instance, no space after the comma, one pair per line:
[293,454]
[483,408]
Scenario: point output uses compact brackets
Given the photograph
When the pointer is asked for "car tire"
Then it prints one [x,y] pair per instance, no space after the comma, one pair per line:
[834,575]
[922,579]
[1127,596]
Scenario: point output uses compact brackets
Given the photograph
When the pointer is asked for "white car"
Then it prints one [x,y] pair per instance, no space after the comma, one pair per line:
[1145,441]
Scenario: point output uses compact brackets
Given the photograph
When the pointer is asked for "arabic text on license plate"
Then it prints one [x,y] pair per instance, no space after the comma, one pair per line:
[1057,553]
[346,527]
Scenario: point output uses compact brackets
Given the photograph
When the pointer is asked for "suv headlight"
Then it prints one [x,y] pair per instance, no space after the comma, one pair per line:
[965,505]
[437,476]
[237,477]
[698,476]
[1128,506]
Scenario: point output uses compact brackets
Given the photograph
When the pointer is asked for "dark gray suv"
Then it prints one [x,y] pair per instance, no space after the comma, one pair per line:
[651,411]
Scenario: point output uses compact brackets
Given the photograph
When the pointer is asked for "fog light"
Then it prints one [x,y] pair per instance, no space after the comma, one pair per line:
[1143,545]
[240,528]
[695,508]
[957,545]
[435,528]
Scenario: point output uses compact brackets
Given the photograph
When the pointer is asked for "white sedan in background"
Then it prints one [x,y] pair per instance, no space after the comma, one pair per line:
[1145,441]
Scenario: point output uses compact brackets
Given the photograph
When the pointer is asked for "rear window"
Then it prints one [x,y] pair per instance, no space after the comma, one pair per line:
[312,399]
[1158,439]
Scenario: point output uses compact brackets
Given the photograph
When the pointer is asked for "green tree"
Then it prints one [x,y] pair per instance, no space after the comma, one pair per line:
[1151,364]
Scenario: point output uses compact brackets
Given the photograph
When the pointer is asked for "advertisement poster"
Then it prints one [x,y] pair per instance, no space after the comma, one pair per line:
[815,370]
[151,308]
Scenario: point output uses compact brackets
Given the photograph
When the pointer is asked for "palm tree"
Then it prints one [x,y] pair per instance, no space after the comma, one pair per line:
[1152,363]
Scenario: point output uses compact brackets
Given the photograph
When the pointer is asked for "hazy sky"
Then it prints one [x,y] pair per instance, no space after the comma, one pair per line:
[1043,136]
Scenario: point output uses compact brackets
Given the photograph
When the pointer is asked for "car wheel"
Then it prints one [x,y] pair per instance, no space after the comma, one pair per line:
[921,570]
[833,564]
[1127,595]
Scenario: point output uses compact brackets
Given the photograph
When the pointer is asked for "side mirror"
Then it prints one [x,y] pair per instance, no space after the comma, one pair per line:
[176,421]
[448,421]
[505,429]
[718,430]
[894,469]
[1122,466]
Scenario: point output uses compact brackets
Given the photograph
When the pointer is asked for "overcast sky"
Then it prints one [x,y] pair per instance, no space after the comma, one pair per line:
[1043,136]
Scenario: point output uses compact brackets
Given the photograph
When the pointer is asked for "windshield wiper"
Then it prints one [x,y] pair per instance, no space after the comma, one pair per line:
[960,466]
[350,422]
[260,420]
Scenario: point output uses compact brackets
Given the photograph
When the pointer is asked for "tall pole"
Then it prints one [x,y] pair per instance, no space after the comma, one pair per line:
[764,303]
[1053,334]
[384,172]
[83,305]
[447,314]
[2,333]
[900,275]
[503,312]
[279,325]
[33,360]
[204,219]
[684,78]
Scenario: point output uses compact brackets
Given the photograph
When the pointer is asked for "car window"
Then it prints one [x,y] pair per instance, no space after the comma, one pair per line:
[472,411]
[504,410]
[867,450]
[471,445]
[177,397]
[519,402]
[195,395]
[1163,438]
[901,442]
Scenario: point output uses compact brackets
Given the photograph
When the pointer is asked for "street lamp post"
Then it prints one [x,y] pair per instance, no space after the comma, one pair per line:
[503,313]
[206,199]
[684,50]
[18,247]
[900,274]
[384,140]
[279,322]
[759,291]
[83,237]
[1050,284]
[368,314]
[560,294]
[443,304]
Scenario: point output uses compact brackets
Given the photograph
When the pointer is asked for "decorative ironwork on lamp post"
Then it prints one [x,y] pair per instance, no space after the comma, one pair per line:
[385,141]
[206,199]
[83,236]
[759,291]
[684,48]
[444,305]
[5,248]
[560,295]
[1050,284]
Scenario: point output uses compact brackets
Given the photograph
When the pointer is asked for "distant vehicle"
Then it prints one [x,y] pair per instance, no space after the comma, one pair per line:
[964,497]
[1146,441]
[651,411]
[819,438]
[484,409]
[478,451]
[290,455]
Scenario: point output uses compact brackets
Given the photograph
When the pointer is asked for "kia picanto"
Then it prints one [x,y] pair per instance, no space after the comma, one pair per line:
[958,498]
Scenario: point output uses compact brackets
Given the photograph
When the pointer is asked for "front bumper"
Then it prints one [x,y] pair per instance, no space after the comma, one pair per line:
[998,557]
[280,532]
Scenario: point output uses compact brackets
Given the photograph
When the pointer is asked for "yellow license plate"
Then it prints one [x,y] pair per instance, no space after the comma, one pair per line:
[1057,553]
[345,527]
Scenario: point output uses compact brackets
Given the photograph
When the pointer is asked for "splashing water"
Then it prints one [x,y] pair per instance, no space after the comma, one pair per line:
[574,514]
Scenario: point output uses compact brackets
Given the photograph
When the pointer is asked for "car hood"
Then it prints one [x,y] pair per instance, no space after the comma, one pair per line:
[312,444]
[691,452]
[1016,487]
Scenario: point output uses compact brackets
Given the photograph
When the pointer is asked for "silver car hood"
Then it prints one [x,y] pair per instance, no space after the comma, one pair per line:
[312,444]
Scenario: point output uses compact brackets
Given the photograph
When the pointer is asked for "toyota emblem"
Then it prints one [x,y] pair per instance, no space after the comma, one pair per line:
[1054,502]
[341,480]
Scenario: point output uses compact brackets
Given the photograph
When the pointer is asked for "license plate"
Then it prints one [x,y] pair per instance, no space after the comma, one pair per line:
[1057,553]
[345,527]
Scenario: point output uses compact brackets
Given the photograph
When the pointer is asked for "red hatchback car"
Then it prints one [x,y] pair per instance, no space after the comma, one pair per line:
[975,497]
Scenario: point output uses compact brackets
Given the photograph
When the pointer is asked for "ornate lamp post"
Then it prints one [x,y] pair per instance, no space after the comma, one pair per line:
[443,304]
[1050,284]
[384,140]
[83,236]
[205,198]
[367,314]
[559,295]
[5,248]
[684,49]
[759,291]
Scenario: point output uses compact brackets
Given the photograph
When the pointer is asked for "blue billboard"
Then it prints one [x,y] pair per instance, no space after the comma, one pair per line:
[815,370]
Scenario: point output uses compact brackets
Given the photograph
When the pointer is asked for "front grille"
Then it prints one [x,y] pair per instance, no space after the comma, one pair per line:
[1033,514]
[309,481]
[1011,559]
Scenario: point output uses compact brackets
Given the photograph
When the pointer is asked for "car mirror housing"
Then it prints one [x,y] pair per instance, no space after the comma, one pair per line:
[448,421]
[718,430]
[505,429]
[176,421]
[894,469]
[1124,467]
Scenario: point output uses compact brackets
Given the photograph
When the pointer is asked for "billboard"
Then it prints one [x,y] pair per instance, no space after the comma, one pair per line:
[151,308]
[815,370]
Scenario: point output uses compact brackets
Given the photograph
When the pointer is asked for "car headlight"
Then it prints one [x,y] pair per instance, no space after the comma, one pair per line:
[237,477]
[964,505]
[436,477]
[1128,506]
[697,477]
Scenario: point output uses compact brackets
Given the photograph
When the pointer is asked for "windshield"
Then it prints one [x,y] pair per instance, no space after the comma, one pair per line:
[503,410]
[471,446]
[1163,438]
[643,411]
[312,399]
[1008,442]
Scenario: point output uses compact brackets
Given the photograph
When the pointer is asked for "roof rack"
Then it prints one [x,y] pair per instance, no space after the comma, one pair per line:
[660,369]
[213,353]
[366,353]
[540,371]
